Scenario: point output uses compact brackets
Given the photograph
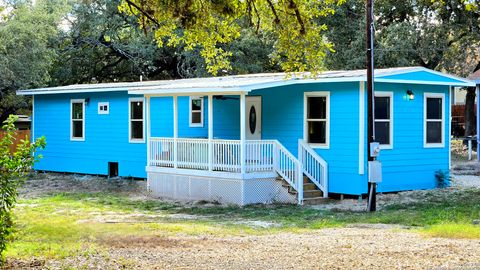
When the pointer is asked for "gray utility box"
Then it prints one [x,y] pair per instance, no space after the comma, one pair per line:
[374,171]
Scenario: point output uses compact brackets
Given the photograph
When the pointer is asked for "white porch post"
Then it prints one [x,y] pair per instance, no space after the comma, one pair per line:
[242,133]
[210,132]
[147,117]
[175,131]
[478,121]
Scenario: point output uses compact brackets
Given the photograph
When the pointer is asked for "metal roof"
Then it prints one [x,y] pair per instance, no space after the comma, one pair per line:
[238,83]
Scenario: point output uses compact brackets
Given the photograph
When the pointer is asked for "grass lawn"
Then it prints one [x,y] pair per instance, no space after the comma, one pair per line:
[64,224]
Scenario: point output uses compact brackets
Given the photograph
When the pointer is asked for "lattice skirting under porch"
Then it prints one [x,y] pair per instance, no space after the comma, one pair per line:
[223,190]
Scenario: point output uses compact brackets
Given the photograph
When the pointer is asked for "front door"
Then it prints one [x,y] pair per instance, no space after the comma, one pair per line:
[253,118]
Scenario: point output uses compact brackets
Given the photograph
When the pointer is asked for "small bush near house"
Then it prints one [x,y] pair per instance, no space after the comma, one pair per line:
[13,167]
[443,178]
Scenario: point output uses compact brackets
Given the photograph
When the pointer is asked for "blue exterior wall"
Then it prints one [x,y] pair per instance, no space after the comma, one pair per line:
[106,136]
[283,119]
[409,165]
[422,76]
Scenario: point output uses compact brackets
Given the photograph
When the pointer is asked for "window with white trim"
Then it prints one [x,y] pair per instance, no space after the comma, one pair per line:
[317,112]
[196,112]
[77,119]
[136,120]
[383,119]
[434,119]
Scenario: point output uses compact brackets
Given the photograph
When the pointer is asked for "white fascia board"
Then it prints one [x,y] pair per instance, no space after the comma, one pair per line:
[45,92]
[301,81]
[187,91]
[466,83]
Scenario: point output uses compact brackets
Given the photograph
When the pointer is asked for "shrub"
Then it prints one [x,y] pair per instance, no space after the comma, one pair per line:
[13,168]
[443,178]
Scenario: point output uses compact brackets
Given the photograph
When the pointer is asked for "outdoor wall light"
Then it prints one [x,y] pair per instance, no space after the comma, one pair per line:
[410,95]
[87,100]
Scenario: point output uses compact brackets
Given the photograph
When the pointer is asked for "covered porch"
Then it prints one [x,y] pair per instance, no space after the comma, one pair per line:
[213,167]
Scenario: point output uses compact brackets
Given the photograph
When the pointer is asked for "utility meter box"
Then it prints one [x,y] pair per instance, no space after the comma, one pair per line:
[374,149]
[374,171]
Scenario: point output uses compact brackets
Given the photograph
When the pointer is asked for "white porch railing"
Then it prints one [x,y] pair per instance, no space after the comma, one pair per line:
[314,167]
[260,156]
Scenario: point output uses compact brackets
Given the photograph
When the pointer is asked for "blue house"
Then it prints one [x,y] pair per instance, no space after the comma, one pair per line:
[251,138]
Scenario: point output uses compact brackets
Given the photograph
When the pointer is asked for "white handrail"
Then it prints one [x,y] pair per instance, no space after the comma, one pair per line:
[314,166]
[290,168]
[260,156]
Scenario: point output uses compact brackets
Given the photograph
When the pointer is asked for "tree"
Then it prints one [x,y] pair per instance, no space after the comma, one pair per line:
[208,25]
[26,50]
[102,44]
[13,167]
[438,35]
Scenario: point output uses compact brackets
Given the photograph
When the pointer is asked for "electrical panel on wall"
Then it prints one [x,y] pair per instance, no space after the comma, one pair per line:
[103,108]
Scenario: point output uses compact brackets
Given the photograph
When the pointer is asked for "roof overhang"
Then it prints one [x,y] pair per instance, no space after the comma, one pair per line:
[233,85]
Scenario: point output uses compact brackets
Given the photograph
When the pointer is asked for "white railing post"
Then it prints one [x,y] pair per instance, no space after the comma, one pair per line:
[175,131]
[300,182]
[210,132]
[242,133]
[149,154]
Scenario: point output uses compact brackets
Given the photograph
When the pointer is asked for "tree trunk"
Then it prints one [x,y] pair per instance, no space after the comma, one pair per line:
[470,120]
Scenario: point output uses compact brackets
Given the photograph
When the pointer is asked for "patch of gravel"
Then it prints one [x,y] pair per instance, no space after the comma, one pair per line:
[338,248]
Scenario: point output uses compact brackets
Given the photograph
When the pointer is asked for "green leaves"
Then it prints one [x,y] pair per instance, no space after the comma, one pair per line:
[13,167]
[210,26]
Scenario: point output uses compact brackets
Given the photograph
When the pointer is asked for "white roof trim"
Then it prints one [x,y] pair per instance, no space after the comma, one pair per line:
[243,83]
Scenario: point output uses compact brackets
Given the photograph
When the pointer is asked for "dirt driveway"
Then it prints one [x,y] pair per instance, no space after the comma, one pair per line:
[379,247]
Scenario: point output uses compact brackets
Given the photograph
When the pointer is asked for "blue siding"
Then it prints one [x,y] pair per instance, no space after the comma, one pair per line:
[409,165]
[282,119]
[422,76]
[106,136]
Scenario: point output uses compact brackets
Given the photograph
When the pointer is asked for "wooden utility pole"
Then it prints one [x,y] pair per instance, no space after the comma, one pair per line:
[372,189]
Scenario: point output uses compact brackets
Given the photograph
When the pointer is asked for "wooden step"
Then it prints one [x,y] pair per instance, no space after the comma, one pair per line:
[310,186]
[312,193]
[314,200]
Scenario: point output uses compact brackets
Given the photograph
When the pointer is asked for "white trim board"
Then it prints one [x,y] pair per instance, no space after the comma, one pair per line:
[306,95]
[83,120]
[130,100]
[433,95]
[361,127]
[390,95]
[202,111]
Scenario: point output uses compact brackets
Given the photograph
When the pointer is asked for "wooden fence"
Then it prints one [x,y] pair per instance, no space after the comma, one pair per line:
[20,135]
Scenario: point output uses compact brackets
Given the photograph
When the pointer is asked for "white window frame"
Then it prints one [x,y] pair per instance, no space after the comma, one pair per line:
[80,139]
[425,97]
[101,104]
[388,94]
[130,100]
[190,111]
[326,94]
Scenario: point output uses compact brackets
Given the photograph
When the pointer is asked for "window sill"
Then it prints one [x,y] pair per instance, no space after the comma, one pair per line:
[136,141]
[196,125]
[77,139]
[319,146]
[433,145]
[386,147]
